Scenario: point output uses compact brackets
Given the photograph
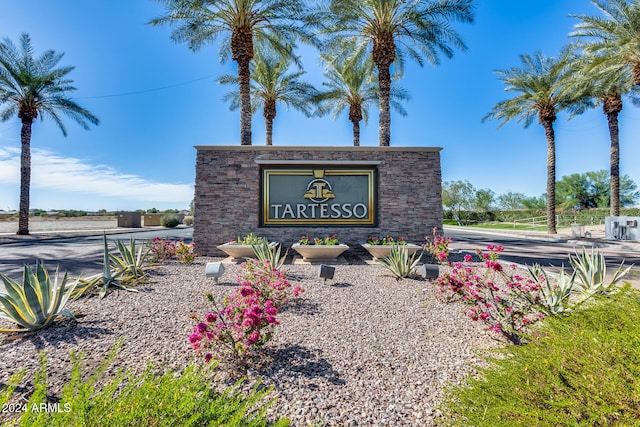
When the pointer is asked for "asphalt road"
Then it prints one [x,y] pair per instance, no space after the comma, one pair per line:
[527,250]
[78,255]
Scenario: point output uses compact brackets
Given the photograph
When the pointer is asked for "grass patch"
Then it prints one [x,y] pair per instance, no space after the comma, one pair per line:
[149,399]
[510,226]
[582,370]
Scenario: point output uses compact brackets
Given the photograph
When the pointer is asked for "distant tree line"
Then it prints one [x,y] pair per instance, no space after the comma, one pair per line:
[573,192]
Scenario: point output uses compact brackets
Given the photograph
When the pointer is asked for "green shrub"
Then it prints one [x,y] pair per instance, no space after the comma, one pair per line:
[169,221]
[581,370]
[148,399]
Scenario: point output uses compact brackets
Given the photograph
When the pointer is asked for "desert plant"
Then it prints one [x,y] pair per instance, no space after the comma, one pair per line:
[590,271]
[128,266]
[147,399]
[100,283]
[169,221]
[399,262]
[37,302]
[265,252]
[554,300]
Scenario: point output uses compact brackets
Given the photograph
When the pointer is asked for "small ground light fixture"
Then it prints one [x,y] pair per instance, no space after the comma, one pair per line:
[214,269]
[428,271]
[326,272]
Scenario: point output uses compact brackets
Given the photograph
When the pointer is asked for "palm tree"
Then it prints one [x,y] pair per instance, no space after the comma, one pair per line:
[607,85]
[243,23]
[611,46]
[539,84]
[32,87]
[616,35]
[273,84]
[391,29]
[350,84]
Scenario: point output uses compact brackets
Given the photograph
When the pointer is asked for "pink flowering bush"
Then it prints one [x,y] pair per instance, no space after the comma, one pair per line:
[505,301]
[185,252]
[248,316]
[268,282]
[242,326]
[163,249]
[439,247]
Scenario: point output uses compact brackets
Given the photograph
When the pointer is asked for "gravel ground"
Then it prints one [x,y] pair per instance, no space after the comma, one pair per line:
[361,350]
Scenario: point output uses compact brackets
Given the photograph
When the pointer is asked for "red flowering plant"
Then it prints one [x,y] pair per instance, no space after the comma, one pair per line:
[268,282]
[439,247]
[505,301]
[185,252]
[247,319]
[244,324]
[305,240]
[386,240]
[164,249]
[327,240]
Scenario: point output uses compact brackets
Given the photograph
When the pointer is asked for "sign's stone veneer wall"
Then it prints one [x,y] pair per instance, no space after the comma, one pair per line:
[227,192]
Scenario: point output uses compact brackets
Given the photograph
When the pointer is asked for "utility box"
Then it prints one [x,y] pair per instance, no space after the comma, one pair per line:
[622,228]
[153,219]
[129,219]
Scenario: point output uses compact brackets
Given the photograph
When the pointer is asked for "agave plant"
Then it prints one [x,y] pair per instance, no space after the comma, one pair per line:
[399,262]
[128,266]
[264,251]
[554,298]
[37,302]
[100,283]
[590,270]
[587,280]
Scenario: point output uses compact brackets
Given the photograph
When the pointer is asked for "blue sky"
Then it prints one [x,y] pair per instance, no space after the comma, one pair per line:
[156,99]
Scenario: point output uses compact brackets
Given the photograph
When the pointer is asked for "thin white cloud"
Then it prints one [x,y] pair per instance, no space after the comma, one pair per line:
[69,174]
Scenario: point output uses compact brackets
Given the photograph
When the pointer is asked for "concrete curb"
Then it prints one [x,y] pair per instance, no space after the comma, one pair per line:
[9,238]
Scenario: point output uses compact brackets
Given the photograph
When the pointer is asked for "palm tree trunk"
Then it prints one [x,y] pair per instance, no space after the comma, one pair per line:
[356,133]
[242,53]
[551,177]
[269,113]
[25,176]
[244,76]
[612,107]
[269,126]
[384,84]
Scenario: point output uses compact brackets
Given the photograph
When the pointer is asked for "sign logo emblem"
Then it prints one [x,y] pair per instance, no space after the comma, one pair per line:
[319,189]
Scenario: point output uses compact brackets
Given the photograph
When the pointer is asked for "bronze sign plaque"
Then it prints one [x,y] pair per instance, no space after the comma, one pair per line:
[318,196]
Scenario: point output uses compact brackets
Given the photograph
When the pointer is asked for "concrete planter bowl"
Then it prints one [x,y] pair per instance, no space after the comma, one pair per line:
[239,252]
[320,253]
[381,251]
